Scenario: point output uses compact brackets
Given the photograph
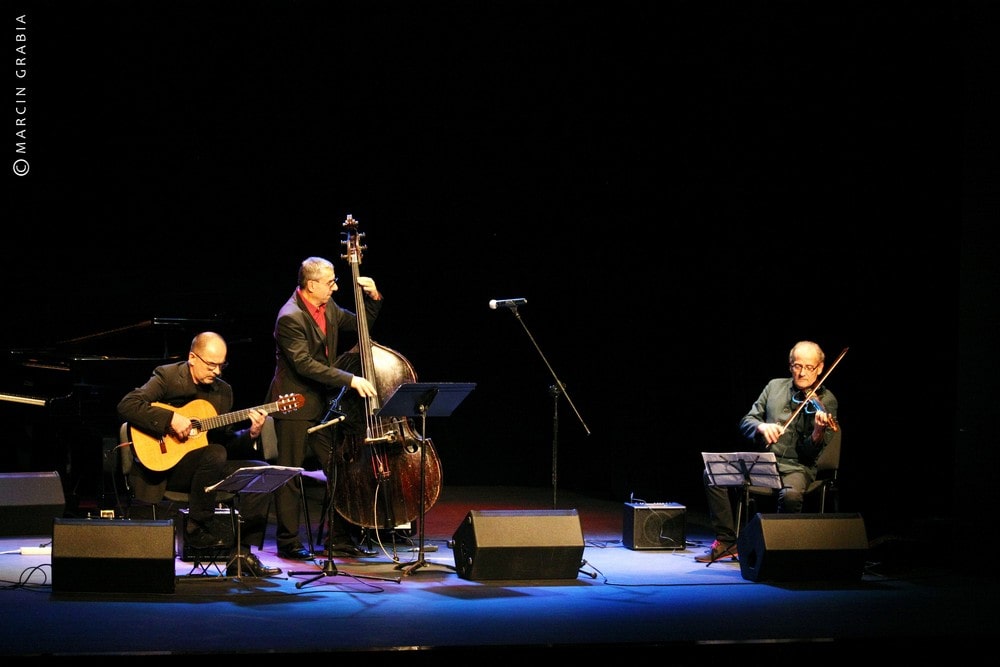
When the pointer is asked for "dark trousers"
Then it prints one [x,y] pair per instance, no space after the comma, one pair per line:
[295,444]
[206,466]
[720,510]
[722,500]
[196,470]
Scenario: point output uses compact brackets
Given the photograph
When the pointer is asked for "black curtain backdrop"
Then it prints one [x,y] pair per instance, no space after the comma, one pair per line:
[679,190]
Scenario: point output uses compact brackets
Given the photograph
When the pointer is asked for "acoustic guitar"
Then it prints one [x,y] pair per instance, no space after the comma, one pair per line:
[161,454]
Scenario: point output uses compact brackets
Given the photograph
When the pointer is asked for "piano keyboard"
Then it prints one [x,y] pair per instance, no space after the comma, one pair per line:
[26,400]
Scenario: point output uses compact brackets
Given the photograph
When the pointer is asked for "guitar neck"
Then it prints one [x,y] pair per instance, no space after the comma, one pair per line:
[209,423]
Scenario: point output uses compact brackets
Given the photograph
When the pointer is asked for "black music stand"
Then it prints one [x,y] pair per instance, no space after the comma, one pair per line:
[743,469]
[424,399]
[251,479]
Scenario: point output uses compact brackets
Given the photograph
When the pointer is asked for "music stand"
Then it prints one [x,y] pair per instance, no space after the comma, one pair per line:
[744,469]
[424,399]
[251,479]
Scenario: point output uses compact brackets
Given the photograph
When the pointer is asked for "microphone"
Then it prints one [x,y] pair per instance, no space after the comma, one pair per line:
[323,425]
[507,303]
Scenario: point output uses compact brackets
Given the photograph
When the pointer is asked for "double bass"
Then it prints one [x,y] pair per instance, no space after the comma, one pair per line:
[378,483]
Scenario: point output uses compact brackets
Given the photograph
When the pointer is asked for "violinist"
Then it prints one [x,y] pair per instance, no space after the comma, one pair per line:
[794,417]
[306,336]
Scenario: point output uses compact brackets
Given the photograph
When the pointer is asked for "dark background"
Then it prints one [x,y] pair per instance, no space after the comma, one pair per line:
[680,190]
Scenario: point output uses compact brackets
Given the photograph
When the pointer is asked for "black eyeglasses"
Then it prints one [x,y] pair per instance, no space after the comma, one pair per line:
[329,283]
[798,368]
[211,366]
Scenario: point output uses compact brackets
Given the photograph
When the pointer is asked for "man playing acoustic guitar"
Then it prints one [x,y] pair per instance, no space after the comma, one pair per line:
[174,453]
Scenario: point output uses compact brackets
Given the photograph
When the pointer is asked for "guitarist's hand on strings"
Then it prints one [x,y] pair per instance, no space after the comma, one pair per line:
[181,426]
[257,419]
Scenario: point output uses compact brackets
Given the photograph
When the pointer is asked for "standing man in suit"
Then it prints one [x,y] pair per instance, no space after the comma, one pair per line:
[306,336]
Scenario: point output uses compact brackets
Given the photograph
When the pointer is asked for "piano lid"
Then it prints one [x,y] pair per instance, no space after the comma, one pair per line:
[160,337]
[114,357]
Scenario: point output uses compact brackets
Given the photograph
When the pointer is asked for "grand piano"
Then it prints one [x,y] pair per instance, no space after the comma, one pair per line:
[62,399]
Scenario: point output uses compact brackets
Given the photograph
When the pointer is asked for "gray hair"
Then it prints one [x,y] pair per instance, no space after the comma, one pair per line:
[807,343]
[312,268]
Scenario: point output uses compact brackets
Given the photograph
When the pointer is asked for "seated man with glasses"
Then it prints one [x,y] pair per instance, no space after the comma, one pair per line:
[206,456]
[796,445]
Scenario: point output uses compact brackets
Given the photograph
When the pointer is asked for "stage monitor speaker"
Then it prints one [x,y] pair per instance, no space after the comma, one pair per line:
[519,544]
[112,556]
[222,526]
[653,526]
[803,547]
[29,501]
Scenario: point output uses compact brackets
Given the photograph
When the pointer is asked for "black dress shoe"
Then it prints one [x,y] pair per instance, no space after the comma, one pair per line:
[201,537]
[351,551]
[251,566]
[294,552]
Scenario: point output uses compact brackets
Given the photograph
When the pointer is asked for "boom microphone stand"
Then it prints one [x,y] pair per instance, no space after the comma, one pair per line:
[329,568]
[556,389]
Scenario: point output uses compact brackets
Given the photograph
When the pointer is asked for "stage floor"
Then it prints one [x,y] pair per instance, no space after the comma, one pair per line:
[907,598]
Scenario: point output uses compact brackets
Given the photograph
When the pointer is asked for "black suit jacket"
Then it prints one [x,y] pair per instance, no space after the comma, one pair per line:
[171,384]
[305,358]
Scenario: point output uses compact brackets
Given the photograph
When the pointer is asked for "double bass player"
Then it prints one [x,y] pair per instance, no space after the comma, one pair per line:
[306,335]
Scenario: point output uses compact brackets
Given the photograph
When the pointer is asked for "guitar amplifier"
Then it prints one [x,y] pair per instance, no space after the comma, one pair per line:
[654,526]
[223,525]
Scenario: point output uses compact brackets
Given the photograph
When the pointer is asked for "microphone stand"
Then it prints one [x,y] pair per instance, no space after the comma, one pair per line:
[556,389]
[332,416]
[329,568]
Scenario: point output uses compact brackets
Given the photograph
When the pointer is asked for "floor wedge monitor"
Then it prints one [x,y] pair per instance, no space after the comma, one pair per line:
[29,501]
[111,556]
[519,544]
[803,547]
